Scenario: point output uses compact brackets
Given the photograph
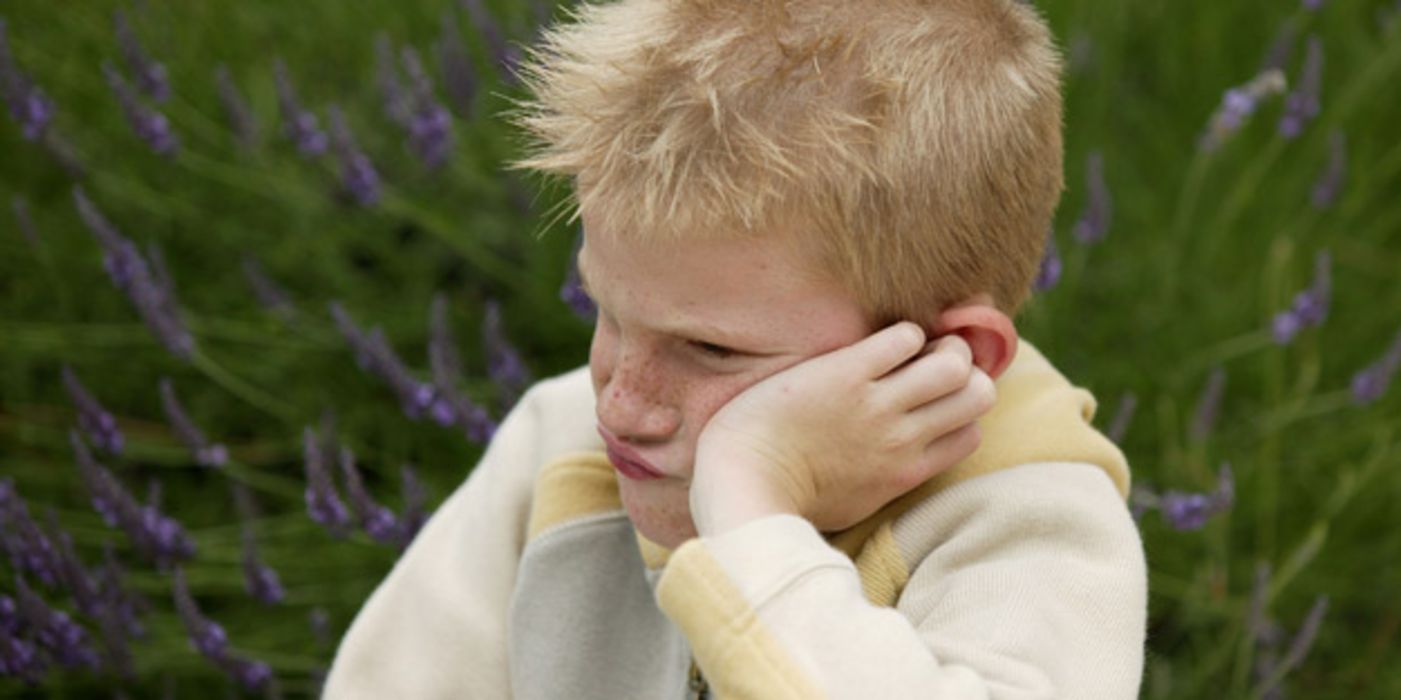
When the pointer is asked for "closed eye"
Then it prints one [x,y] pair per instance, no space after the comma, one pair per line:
[719,352]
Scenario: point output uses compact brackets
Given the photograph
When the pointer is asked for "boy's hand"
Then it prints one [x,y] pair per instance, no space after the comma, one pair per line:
[836,437]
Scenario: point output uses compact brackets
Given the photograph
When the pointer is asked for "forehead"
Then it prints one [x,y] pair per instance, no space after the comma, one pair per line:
[762,290]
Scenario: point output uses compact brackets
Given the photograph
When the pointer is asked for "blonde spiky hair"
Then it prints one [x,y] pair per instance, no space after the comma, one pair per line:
[918,142]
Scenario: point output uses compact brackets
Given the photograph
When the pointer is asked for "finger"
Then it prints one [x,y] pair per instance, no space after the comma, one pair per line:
[942,370]
[951,449]
[882,351]
[954,411]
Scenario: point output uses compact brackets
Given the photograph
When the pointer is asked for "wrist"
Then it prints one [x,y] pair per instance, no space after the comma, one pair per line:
[722,500]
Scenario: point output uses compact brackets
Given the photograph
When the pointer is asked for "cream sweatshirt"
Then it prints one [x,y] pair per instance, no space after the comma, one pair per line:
[1017,574]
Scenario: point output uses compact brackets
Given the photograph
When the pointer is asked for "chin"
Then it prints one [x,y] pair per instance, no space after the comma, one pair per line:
[661,513]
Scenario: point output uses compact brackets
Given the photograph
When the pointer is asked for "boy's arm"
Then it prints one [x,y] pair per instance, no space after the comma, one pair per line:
[436,627]
[1026,583]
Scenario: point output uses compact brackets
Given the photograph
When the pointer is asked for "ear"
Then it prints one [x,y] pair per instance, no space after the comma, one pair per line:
[988,332]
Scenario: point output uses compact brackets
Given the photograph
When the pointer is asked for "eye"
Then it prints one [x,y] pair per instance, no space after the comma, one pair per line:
[718,352]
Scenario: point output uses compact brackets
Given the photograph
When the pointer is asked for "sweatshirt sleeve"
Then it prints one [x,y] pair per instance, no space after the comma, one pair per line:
[1029,583]
[436,626]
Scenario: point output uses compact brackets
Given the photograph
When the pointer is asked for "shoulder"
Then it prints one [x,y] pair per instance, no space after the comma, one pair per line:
[555,416]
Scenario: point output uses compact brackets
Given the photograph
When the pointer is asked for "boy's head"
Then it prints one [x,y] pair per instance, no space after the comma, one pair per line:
[763,181]
[915,143]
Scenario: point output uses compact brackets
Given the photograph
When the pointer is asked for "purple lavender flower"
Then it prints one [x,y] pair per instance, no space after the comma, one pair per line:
[504,364]
[1209,406]
[1190,511]
[124,606]
[1371,382]
[28,104]
[1128,404]
[26,224]
[240,117]
[206,635]
[29,548]
[206,454]
[459,78]
[1094,222]
[505,54]
[573,294]
[157,537]
[1272,672]
[62,639]
[377,521]
[323,502]
[391,90]
[149,124]
[95,420]
[1310,307]
[1330,183]
[374,354]
[428,123]
[1312,5]
[150,74]
[1237,104]
[18,657]
[250,673]
[1302,103]
[269,294]
[299,124]
[358,174]
[449,406]
[415,506]
[150,293]
[260,579]
[1047,276]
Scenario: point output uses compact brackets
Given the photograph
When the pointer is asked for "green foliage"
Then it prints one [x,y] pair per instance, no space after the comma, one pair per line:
[1203,249]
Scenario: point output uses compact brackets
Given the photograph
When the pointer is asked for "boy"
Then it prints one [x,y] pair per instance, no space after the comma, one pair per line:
[806,225]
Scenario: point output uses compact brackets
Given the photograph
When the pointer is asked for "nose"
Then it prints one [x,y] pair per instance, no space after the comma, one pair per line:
[634,403]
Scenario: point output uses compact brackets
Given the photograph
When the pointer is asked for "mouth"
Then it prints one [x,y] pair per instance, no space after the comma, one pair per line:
[626,461]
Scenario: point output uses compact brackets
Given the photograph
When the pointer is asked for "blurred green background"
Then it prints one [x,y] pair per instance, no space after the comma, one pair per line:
[1192,253]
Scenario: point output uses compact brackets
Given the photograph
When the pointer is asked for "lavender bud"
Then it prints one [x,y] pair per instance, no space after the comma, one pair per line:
[1371,382]
[18,657]
[1047,276]
[1330,183]
[26,224]
[124,606]
[149,292]
[205,454]
[54,631]
[28,104]
[236,109]
[505,55]
[459,78]
[415,507]
[150,125]
[29,548]
[206,636]
[429,124]
[374,355]
[1310,307]
[250,673]
[396,103]
[269,294]
[1237,104]
[1118,427]
[159,539]
[378,522]
[504,364]
[358,174]
[260,579]
[1094,222]
[1210,405]
[150,74]
[1302,104]
[323,502]
[300,125]
[96,421]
